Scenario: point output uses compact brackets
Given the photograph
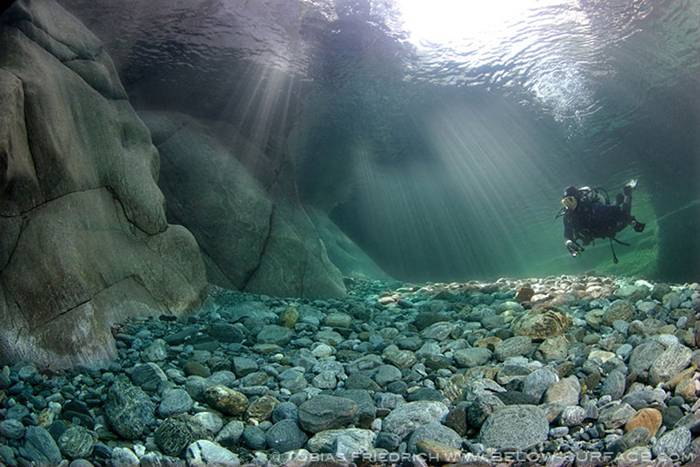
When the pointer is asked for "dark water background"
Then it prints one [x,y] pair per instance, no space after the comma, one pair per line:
[443,149]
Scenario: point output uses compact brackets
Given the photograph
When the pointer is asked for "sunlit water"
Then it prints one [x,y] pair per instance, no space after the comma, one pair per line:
[440,134]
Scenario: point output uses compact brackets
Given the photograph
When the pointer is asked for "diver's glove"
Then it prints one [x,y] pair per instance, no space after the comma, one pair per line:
[629,186]
[573,247]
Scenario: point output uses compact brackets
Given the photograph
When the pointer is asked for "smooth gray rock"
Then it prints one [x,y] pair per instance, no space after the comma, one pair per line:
[173,402]
[386,374]
[285,436]
[405,418]
[244,366]
[434,431]
[211,422]
[230,434]
[517,427]
[514,347]
[254,438]
[564,392]
[367,411]
[468,358]
[324,412]
[285,410]
[274,334]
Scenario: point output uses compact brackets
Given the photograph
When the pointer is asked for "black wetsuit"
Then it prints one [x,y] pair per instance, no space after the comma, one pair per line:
[595,218]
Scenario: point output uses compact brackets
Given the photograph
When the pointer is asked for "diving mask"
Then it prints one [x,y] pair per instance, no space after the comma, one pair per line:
[569,202]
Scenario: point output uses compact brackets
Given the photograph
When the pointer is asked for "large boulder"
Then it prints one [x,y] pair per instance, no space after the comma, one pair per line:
[84,240]
[251,239]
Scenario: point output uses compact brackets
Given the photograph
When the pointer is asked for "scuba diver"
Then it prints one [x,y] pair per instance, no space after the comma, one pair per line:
[588,215]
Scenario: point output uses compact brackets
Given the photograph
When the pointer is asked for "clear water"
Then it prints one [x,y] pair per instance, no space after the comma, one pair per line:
[440,138]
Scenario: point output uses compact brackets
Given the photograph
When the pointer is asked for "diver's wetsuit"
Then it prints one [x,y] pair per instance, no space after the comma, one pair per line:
[594,218]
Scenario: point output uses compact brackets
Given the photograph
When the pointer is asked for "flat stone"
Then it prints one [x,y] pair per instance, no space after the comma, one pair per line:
[671,362]
[600,357]
[204,452]
[123,456]
[285,436]
[645,397]
[343,442]
[399,358]
[513,347]
[157,351]
[244,366]
[405,418]
[471,357]
[386,374]
[210,422]
[564,392]
[438,331]
[324,412]
[554,349]
[274,334]
[518,427]
[175,401]
[338,320]
[434,431]
[226,332]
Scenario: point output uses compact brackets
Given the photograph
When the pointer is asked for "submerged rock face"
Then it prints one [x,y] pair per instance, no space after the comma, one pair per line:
[84,241]
[251,241]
